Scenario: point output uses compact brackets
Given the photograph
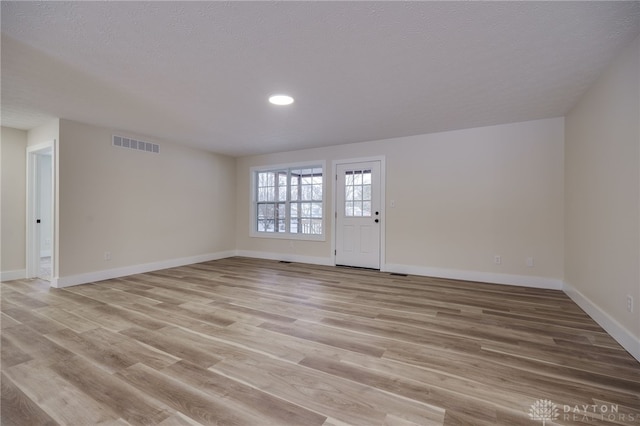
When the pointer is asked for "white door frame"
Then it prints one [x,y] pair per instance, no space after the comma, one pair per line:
[334,204]
[33,234]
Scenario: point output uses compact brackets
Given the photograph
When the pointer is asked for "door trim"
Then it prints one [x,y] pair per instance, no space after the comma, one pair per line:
[334,203]
[32,234]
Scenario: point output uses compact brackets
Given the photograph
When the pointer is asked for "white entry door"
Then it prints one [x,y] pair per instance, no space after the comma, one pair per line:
[358,216]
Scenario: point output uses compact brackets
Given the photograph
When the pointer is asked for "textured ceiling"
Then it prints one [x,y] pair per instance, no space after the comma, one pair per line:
[200,73]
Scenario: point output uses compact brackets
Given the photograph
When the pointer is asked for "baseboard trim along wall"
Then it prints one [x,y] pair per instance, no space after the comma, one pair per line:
[623,336]
[13,275]
[106,274]
[286,257]
[484,277]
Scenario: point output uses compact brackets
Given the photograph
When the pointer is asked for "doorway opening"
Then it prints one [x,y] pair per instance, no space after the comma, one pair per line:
[40,211]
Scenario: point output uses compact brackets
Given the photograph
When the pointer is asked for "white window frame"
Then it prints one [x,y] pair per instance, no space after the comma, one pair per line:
[253,232]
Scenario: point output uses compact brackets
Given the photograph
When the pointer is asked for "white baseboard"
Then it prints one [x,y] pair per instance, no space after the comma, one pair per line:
[287,257]
[616,330]
[485,277]
[519,280]
[13,275]
[106,274]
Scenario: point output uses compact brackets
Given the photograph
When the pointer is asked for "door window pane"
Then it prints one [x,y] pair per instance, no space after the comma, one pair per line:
[358,193]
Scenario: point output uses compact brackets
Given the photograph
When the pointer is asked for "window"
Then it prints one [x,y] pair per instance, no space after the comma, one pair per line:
[357,190]
[289,201]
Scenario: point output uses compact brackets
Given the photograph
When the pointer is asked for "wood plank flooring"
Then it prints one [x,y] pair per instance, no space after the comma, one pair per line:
[252,342]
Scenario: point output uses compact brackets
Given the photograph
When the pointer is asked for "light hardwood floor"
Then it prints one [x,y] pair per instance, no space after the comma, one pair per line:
[252,342]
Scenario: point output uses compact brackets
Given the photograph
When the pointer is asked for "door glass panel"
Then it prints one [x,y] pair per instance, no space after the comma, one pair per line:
[348,208]
[366,208]
[357,193]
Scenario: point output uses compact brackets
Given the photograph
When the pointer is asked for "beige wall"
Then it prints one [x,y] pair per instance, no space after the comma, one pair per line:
[46,133]
[141,207]
[13,159]
[602,174]
[461,197]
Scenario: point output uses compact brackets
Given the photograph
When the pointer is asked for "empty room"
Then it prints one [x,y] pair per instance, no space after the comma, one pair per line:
[320,213]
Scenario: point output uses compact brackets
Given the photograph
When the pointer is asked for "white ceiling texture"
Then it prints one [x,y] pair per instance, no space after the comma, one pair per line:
[200,73]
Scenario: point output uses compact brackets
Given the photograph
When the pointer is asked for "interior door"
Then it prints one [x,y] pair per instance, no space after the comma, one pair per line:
[358,216]
[44,214]
[40,210]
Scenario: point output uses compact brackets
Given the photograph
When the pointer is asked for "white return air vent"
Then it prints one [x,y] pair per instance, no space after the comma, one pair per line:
[130,143]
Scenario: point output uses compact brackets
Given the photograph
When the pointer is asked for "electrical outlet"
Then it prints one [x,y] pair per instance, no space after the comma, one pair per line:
[629,303]
[107,256]
[497,259]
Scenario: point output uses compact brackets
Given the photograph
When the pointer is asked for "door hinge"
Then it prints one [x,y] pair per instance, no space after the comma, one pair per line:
[335,252]
[336,215]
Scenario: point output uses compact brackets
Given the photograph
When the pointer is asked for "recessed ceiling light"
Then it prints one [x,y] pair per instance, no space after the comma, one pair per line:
[281,100]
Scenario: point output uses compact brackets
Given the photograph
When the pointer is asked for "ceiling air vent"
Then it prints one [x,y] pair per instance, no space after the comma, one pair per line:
[130,143]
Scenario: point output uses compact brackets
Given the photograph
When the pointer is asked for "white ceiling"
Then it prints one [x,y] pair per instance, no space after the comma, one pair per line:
[200,73]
